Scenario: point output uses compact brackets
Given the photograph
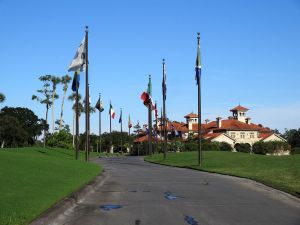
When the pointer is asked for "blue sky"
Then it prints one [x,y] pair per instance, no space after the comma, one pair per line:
[250,55]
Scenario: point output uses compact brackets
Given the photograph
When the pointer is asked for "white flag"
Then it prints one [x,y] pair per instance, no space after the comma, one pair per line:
[78,61]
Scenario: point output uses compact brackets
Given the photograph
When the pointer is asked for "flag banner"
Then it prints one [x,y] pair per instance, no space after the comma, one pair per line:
[99,105]
[129,122]
[164,84]
[120,119]
[146,98]
[111,111]
[78,61]
[75,82]
[198,63]
[155,108]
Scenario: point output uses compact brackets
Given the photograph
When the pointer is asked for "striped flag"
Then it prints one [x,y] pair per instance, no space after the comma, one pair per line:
[111,111]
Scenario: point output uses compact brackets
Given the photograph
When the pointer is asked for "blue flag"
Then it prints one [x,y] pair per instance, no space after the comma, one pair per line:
[198,62]
[120,120]
[76,80]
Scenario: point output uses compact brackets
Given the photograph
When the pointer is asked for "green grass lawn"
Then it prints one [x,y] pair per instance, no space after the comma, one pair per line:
[34,179]
[281,172]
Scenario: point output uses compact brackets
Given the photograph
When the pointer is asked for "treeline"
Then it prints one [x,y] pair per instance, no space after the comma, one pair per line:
[119,141]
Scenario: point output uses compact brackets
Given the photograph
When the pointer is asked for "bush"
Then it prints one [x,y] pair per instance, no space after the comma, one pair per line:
[295,150]
[61,139]
[243,147]
[224,146]
[270,147]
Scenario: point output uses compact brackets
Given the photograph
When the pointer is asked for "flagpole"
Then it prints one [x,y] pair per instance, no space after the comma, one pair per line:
[87,146]
[156,148]
[150,123]
[164,112]
[99,150]
[121,130]
[110,125]
[199,114]
[77,117]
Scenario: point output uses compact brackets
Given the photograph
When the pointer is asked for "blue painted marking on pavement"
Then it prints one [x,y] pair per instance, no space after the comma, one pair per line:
[190,220]
[170,196]
[109,207]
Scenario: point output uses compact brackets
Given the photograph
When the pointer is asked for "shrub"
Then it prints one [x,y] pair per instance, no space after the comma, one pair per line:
[270,147]
[210,146]
[243,147]
[61,139]
[295,150]
[224,146]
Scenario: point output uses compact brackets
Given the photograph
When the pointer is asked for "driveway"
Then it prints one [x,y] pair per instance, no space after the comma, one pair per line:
[135,192]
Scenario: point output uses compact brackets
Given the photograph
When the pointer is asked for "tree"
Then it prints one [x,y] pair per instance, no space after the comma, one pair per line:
[293,137]
[54,80]
[12,133]
[2,97]
[65,80]
[27,120]
[46,99]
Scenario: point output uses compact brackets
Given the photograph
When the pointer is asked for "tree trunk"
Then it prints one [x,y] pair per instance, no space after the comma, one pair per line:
[53,94]
[2,146]
[46,124]
[62,110]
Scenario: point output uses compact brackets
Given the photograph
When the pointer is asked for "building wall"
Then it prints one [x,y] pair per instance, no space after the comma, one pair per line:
[249,137]
[223,138]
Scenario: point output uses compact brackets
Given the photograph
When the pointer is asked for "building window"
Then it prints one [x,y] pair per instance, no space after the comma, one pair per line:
[251,135]
[242,135]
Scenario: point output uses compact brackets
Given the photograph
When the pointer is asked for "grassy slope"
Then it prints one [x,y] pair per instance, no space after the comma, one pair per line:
[32,180]
[279,172]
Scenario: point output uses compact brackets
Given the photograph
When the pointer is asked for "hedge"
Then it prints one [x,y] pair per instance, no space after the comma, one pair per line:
[270,147]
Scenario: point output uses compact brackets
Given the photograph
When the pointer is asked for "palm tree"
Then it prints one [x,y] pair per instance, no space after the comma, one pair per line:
[65,80]
[72,98]
[46,99]
[2,97]
[81,109]
[54,80]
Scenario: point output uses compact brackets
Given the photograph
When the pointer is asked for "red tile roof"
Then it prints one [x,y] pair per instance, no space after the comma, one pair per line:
[191,115]
[211,136]
[144,139]
[239,108]
[265,135]
[232,125]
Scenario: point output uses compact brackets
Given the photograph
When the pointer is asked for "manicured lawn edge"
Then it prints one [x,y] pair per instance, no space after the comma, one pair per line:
[293,193]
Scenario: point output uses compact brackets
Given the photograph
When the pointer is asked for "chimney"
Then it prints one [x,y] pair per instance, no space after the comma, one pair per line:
[206,121]
[219,121]
[230,117]
[248,120]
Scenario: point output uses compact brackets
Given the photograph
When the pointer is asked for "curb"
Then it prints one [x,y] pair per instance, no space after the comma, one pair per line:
[56,213]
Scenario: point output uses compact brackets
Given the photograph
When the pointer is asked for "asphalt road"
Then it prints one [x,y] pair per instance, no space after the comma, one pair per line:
[150,194]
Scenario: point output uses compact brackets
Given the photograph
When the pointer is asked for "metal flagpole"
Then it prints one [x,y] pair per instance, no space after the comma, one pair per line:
[198,71]
[121,130]
[164,111]
[150,122]
[77,118]
[110,125]
[87,103]
[99,150]
[156,148]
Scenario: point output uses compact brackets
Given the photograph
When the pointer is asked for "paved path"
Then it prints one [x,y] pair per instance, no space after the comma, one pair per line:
[147,194]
